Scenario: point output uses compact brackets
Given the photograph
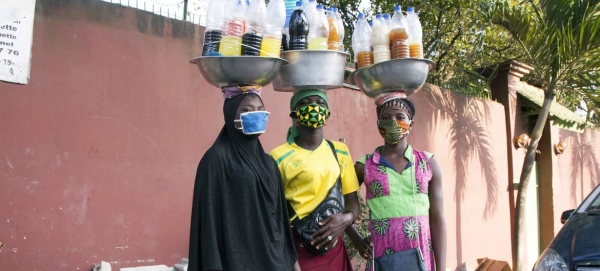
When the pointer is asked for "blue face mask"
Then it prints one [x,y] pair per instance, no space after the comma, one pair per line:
[254,122]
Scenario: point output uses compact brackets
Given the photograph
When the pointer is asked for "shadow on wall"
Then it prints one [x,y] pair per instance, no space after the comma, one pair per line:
[469,139]
[583,160]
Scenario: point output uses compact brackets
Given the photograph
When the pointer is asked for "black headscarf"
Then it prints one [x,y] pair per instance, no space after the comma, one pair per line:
[239,214]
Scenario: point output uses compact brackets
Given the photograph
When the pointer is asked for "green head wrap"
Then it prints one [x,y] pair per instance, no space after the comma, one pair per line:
[294,131]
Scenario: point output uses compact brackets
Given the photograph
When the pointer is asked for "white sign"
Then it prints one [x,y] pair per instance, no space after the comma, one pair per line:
[16,37]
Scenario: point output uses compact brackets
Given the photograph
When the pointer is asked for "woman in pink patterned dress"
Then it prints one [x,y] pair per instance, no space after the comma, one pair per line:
[404,195]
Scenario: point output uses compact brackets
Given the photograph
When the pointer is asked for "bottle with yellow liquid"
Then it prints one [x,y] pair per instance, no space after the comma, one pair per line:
[415,34]
[271,42]
[333,43]
[235,26]
[361,42]
[319,30]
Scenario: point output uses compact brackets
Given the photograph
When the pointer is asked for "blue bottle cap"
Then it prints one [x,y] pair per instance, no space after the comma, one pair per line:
[299,3]
[378,16]
[397,8]
[361,16]
[312,1]
[410,9]
[319,7]
[371,23]
[386,16]
[335,9]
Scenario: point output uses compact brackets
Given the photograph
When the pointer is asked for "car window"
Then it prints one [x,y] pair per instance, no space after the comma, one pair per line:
[595,204]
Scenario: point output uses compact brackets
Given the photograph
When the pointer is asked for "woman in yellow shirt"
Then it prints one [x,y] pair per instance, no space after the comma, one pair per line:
[309,170]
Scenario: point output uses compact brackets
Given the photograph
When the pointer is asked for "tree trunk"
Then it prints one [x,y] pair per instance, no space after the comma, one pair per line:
[520,240]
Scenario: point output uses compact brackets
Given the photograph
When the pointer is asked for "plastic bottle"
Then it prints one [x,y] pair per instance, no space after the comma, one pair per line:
[272,39]
[299,29]
[333,43]
[341,28]
[387,19]
[317,38]
[361,42]
[235,27]
[415,34]
[399,35]
[215,18]
[255,28]
[380,40]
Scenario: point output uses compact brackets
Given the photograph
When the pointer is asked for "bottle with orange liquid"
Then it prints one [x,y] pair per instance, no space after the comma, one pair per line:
[341,28]
[333,43]
[361,42]
[235,26]
[399,35]
[271,43]
[415,35]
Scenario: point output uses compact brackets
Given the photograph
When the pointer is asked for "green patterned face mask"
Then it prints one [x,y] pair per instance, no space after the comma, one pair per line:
[312,115]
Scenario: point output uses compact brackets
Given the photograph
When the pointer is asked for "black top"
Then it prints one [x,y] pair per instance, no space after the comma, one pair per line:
[239,215]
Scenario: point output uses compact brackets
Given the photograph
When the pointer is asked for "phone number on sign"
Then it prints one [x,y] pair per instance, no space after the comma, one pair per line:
[9,51]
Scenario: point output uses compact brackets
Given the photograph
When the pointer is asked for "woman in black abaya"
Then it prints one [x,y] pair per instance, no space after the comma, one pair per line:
[239,212]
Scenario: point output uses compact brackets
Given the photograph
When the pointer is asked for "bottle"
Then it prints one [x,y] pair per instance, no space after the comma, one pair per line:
[272,42]
[235,27]
[299,29]
[387,19]
[399,35]
[380,40]
[333,43]
[361,42]
[415,34]
[255,27]
[341,29]
[317,37]
[215,18]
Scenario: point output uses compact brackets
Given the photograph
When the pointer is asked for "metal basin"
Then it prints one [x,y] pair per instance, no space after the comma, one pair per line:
[405,74]
[318,69]
[222,71]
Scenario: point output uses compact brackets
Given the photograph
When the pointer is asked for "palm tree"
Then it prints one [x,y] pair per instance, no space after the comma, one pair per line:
[561,39]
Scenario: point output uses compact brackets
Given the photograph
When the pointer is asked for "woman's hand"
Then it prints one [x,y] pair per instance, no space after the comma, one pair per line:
[332,226]
[364,247]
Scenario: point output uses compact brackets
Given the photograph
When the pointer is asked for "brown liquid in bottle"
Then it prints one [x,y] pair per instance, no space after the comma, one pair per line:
[416,50]
[399,43]
[365,59]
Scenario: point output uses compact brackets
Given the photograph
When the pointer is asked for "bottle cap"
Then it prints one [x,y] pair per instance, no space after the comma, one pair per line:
[386,16]
[378,16]
[397,8]
[310,1]
[335,9]
[410,9]
[361,16]
[299,3]
[319,6]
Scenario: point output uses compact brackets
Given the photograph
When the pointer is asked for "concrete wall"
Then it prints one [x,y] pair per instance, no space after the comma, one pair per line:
[98,152]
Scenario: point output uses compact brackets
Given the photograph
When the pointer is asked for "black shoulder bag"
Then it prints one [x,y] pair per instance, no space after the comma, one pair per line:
[332,204]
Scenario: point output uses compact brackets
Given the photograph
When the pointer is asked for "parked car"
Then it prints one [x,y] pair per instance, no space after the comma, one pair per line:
[577,244]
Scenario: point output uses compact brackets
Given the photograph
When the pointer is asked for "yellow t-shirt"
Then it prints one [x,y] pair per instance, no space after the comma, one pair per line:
[308,175]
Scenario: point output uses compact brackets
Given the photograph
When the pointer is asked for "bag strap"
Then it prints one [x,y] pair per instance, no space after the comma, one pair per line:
[291,210]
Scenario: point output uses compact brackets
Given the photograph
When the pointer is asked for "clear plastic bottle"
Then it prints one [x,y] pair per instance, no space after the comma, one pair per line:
[415,34]
[341,27]
[333,43]
[299,29]
[387,19]
[399,35]
[380,40]
[361,42]
[235,27]
[215,19]
[272,39]
[255,28]
[317,37]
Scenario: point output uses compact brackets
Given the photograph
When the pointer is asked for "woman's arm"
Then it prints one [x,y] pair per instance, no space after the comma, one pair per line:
[436,217]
